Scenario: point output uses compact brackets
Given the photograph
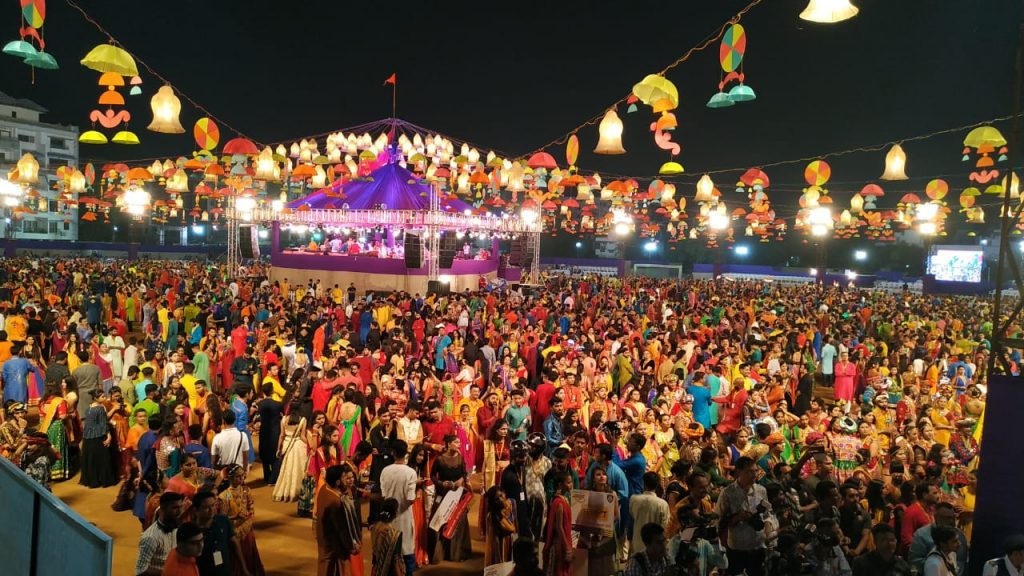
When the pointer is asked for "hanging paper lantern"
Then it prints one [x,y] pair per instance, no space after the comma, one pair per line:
[206,134]
[33,15]
[610,135]
[110,58]
[705,189]
[265,165]
[76,183]
[895,164]
[657,92]
[28,169]
[166,108]
[829,11]
[936,189]
[670,168]
[136,88]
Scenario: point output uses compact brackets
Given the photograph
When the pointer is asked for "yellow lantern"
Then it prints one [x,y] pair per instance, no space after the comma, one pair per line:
[857,204]
[705,188]
[76,184]
[319,179]
[28,169]
[156,169]
[845,218]
[265,165]
[829,11]
[178,182]
[166,108]
[610,131]
[1014,186]
[895,164]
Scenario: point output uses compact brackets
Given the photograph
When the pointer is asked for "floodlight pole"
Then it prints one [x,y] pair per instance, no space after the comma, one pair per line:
[234,256]
[535,257]
[1008,216]
[433,239]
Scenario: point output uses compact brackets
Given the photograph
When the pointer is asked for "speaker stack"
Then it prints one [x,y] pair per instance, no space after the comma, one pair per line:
[248,242]
[447,249]
[413,250]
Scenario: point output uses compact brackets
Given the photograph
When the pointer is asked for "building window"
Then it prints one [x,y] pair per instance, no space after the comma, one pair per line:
[53,205]
[27,138]
[67,225]
[5,134]
[58,143]
[14,113]
[53,227]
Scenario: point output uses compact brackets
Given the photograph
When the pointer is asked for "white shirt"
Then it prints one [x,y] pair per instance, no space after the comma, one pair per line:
[992,567]
[131,358]
[935,565]
[230,447]
[398,481]
[154,546]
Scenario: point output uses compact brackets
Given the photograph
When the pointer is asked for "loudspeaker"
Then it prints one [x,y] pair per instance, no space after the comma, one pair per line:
[413,250]
[437,287]
[248,242]
[515,255]
[447,249]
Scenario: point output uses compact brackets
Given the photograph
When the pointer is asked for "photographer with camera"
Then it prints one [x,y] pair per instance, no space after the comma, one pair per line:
[740,507]
[824,552]
[698,532]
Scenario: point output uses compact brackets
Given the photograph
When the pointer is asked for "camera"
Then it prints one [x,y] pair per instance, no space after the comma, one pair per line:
[757,520]
[704,526]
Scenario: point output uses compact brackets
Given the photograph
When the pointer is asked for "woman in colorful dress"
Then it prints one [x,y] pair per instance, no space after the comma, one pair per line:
[496,453]
[665,437]
[465,429]
[238,505]
[558,550]
[499,526]
[348,421]
[844,446]
[54,412]
[387,542]
[449,473]
[323,457]
[418,462]
[168,448]
[291,449]
[192,478]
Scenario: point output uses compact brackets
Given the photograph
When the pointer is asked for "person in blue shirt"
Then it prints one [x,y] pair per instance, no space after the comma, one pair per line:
[147,378]
[602,456]
[240,406]
[553,424]
[195,449]
[634,467]
[15,373]
[701,400]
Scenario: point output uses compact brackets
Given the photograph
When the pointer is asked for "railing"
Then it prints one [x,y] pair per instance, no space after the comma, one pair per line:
[42,535]
[411,219]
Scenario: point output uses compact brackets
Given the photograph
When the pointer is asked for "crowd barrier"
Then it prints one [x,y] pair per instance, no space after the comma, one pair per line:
[43,536]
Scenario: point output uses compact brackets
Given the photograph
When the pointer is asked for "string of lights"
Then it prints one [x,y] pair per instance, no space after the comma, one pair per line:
[189,99]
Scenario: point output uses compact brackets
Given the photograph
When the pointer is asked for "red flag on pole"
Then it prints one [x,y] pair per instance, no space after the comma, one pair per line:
[390,80]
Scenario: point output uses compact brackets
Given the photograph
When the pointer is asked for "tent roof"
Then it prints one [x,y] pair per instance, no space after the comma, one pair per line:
[390,185]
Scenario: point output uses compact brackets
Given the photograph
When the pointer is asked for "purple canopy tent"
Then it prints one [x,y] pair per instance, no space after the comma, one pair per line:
[390,186]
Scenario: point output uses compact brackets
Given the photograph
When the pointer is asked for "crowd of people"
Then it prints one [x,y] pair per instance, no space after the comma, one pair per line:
[735,426]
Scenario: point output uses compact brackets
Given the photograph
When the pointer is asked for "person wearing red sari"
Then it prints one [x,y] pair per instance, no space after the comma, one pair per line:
[731,414]
[558,549]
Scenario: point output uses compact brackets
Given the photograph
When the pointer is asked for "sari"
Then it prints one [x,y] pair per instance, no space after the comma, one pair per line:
[55,411]
[237,504]
[387,550]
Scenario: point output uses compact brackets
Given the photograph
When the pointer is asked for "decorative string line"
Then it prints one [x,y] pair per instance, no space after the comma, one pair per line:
[112,40]
[708,41]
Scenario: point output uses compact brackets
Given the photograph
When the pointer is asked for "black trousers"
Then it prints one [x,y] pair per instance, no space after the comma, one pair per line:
[750,561]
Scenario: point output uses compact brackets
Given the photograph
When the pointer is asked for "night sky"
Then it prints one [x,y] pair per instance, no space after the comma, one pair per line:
[512,77]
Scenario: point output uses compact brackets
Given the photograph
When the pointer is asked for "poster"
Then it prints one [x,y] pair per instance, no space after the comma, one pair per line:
[444,510]
[594,510]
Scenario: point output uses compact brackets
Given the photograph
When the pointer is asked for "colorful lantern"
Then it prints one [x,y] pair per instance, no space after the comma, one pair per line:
[657,92]
[730,57]
[110,58]
[895,164]
[265,165]
[610,134]
[28,170]
[33,15]
[166,108]
[705,189]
